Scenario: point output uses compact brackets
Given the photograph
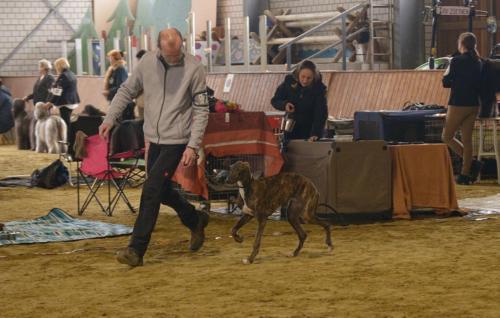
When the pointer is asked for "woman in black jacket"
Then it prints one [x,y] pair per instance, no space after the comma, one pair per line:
[304,94]
[43,84]
[463,76]
[65,92]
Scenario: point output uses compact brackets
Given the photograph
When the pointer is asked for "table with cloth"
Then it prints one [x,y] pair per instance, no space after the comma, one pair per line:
[422,178]
[232,134]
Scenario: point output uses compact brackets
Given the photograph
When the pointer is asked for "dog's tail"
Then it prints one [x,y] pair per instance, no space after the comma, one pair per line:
[332,209]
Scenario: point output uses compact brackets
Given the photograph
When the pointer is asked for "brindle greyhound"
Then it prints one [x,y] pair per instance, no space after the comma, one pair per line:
[264,195]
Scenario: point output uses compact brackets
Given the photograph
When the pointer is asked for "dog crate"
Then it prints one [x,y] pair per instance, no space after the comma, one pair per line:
[216,172]
[392,126]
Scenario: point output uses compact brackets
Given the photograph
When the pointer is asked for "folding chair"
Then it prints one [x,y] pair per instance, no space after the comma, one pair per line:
[101,165]
[129,135]
[89,125]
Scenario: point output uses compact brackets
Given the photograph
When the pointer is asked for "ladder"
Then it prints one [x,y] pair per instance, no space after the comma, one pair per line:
[379,25]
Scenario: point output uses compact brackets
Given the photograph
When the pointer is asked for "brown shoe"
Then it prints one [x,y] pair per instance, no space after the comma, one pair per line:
[129,256]
[198,233]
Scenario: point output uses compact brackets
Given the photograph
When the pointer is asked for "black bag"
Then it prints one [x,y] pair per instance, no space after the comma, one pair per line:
[52,176]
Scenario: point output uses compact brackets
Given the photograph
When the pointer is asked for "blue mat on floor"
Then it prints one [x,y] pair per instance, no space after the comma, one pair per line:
[58,226]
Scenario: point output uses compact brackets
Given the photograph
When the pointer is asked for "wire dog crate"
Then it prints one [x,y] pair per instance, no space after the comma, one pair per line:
[216,172]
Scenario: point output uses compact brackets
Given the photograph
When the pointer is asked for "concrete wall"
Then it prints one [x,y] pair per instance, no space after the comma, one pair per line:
[19,18]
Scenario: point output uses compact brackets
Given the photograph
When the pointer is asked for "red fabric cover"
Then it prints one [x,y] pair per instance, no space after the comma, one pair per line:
[245,133]
[96,162]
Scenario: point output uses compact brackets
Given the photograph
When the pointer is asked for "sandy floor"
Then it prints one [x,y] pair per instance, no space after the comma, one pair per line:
[422,268]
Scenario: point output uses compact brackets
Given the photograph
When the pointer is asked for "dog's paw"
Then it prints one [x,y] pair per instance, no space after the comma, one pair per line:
[246,261]
[329,250]
[290,254]
[238,238]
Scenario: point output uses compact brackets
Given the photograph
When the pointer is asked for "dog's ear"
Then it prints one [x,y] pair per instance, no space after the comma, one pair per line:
[246,164]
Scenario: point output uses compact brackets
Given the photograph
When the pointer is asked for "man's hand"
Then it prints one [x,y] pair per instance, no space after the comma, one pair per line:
[189,157]
[104,130]
[289,107]
[313,138]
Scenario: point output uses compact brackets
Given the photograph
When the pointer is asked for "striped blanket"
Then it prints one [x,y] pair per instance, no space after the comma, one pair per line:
[58,226]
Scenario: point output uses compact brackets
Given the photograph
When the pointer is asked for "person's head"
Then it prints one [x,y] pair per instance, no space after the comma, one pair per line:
[115,56]
[44,66]
[140,54]
[170,45]
[467,43]
[61,64]
[306,73]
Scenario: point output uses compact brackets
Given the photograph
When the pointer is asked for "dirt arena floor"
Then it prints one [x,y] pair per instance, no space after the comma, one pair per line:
[429,267]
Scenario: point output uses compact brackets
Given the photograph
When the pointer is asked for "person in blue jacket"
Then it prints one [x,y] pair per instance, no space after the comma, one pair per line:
[6,117]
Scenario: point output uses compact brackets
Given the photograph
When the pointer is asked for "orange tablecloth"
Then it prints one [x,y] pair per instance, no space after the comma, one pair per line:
[422,178]
[245,133]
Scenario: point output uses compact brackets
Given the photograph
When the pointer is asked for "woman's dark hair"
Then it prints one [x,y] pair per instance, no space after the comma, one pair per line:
[307,65]
[469,41]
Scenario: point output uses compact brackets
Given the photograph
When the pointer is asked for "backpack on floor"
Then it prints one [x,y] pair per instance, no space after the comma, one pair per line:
[52,176]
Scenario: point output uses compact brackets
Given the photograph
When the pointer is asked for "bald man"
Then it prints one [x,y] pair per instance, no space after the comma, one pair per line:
[175,118]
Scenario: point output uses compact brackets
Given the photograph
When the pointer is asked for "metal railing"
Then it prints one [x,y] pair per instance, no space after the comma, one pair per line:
[342,17]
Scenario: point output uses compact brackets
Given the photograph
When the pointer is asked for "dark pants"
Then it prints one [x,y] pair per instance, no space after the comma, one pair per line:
[66,116]
[162,163]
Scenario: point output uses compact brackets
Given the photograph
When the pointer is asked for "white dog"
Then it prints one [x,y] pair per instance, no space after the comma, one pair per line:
[49,130]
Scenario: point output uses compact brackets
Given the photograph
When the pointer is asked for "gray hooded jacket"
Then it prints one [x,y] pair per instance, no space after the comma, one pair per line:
[176,110]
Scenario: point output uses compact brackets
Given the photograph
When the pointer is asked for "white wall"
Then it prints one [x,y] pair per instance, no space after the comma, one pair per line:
[19,18]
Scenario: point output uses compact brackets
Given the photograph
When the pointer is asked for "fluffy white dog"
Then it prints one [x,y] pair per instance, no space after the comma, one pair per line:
[49,130]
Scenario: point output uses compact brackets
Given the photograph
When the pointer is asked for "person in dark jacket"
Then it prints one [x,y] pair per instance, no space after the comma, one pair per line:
[303,94]
[6,116]
[65,91]
[116,74]
[43,84]
[463,76]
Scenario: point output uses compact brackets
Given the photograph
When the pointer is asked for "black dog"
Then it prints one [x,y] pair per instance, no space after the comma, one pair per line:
[25,126]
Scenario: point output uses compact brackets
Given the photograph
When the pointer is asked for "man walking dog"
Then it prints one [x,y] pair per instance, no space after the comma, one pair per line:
[175,118]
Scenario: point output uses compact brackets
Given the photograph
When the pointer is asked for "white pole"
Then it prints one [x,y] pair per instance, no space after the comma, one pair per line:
[246,43]
[64,49]
[129,53]
[191,35]
[102,56]
[78,50]
[116,43]
[90,59]
[227,44]
[209,46]
[263,42]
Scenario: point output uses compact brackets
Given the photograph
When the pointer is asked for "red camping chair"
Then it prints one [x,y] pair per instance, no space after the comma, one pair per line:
[103,167]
